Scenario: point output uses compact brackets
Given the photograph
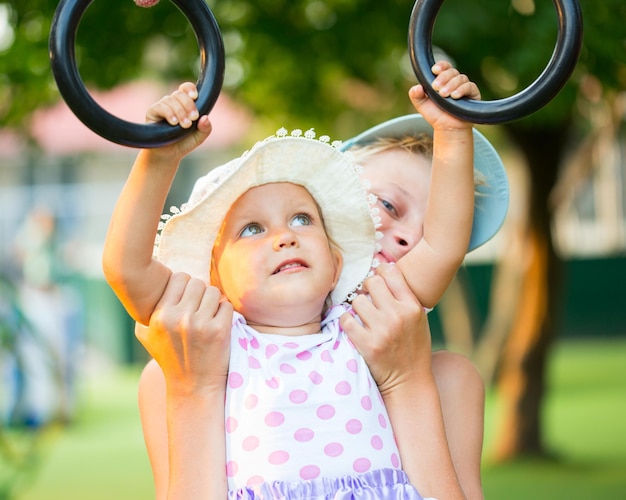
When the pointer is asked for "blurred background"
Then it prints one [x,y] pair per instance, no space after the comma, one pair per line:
[541,309]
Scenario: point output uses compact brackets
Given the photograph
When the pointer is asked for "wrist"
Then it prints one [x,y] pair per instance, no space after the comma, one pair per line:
[418,379]
[160,158]
[189,391]
[456,134]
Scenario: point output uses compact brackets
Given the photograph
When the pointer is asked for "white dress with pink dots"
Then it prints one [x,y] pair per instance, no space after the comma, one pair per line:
[304,419]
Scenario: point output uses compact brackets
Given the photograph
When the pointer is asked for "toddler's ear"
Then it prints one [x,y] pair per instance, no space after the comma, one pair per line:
[338,261]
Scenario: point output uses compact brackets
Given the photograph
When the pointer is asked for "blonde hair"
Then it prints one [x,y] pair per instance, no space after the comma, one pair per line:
[420,144]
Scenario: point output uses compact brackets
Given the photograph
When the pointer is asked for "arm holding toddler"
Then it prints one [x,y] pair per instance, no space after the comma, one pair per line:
[182,391]
[395,342]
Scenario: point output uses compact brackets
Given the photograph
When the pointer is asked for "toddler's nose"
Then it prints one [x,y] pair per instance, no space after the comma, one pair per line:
[285,239]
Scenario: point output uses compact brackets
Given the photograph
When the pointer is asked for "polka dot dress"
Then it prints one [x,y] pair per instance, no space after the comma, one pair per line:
[302,408]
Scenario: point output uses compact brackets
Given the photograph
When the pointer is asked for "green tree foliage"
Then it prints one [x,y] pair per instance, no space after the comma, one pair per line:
[505,45]
[332,63]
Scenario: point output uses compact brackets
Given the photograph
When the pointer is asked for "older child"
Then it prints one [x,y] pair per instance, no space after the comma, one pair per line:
[396,156]
[393,154]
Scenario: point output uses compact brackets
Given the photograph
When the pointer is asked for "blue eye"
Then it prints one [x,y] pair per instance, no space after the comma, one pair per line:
[251,230]
[301,220]
[388,206]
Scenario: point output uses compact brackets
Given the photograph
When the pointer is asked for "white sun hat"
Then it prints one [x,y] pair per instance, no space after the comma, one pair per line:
[331,177]
[492,198]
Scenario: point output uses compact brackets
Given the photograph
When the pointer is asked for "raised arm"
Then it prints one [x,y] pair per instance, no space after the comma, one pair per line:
[136,278]
[431,265]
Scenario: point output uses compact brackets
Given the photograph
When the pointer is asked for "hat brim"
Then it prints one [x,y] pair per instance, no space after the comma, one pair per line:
[187,239]
[492,198]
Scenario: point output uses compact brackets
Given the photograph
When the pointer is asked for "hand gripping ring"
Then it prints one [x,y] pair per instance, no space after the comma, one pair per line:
[529,100]
[63,60]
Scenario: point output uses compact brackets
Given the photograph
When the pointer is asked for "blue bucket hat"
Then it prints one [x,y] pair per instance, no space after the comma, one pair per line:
[492,199]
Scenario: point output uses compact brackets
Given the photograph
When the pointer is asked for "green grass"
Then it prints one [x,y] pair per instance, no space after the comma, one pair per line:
[101,456]
[584,426]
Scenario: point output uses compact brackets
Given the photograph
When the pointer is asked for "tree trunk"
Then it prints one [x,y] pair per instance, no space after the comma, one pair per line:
[505,294]
[522,370]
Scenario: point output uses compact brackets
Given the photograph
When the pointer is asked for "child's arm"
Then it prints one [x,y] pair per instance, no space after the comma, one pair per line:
[431,265]
[137,278]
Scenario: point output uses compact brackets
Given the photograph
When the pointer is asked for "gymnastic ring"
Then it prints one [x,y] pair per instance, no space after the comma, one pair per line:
[63,61]
[527,101]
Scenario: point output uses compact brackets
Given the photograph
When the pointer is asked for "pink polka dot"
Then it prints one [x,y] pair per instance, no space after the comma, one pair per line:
[274,419]
[244,344]
[382,420]
[361,465]
[395,460]
[336,345]
[287,368]
[254,480]
[343,388]
[352,365]
[303,435]
[278,457]
[377,443]
[251,401]
[354,426]
[333,449]
[250,443]
[270,350]
[298,396]
[253,362]
[254,343]
[325,412]
[231,468]
[273,382]
[290,345]
[316,378]
[309,472]
[235,380]
[231,424]
[327,357]
[304,355]
[366,403]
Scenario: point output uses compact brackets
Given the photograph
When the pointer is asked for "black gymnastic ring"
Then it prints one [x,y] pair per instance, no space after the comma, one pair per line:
[529,100]
[63,60]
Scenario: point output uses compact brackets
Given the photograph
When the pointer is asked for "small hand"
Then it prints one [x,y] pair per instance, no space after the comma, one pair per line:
[394,339]
[448,83]
[179,108]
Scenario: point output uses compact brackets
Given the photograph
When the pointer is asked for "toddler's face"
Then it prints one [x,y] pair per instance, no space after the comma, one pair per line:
[273,258]
[400,180]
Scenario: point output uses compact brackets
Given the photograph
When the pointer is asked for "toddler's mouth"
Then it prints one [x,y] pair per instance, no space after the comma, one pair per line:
[291,264]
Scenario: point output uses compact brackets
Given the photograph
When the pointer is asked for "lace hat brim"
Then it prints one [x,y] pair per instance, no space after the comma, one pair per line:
[328,174]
